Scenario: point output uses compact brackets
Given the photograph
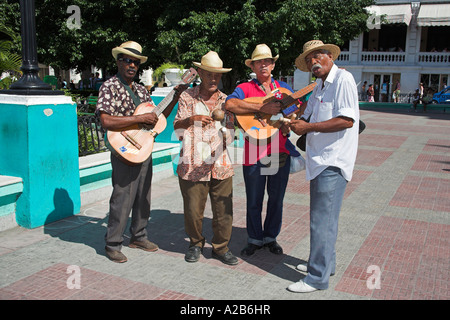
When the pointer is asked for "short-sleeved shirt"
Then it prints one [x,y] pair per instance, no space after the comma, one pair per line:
[338,97]
[115,100]
[253,152]
[202,155]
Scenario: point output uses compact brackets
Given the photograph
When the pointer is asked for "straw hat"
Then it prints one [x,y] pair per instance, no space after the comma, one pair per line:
[262,51]
[212,63]
[130,48]
[314,45]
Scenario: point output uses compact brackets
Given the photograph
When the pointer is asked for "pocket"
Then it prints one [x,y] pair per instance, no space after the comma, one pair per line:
[325,111]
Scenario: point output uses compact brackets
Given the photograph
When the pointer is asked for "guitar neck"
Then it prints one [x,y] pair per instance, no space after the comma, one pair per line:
[289,100]
[164,103]
[187,78]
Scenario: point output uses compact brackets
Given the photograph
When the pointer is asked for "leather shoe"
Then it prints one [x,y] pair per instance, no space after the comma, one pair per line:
[145,245]
[250,249]
[301,287]
[227,258]
[115,256]
[274,247]
[193,254]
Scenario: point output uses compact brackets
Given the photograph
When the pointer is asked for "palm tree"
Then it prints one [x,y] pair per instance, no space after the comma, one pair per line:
[10,62]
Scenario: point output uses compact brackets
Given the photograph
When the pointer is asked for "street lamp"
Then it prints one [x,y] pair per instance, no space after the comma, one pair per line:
[29,83]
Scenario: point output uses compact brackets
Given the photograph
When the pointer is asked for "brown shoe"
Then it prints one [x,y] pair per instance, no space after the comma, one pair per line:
[116,256]
[144,245]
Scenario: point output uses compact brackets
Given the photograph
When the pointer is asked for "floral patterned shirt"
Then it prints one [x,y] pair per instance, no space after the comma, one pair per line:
[115,100]
[202,155]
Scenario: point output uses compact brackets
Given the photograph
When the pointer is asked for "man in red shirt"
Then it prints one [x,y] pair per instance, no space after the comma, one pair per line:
[265,163]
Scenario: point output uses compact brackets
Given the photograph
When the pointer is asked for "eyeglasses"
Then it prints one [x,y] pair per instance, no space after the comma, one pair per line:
[129,61]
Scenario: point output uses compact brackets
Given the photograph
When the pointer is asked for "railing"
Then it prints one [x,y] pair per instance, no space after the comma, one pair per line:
[383,58]
[90,134]
[433,58]
[403,98]
[344,57]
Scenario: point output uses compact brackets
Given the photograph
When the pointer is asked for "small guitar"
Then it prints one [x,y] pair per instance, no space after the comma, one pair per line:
[134,144]
[263,126]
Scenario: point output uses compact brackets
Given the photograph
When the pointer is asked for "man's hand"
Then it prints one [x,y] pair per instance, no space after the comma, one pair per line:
[180,88]
[272,107]
[205,120]
[285,129]
[300,127]
[148,118]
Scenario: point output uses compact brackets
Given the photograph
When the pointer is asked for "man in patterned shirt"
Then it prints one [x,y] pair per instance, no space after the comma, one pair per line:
[117,100]
[204,166]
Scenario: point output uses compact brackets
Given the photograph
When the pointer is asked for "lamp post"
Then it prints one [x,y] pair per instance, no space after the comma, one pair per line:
[29,83]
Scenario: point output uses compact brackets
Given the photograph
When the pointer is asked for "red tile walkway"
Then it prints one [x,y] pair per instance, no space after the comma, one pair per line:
[393,243]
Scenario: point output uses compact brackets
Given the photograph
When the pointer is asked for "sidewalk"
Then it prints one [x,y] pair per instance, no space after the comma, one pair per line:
[393,243]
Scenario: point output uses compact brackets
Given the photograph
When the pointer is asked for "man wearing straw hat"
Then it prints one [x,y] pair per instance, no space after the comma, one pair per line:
[204,165]
[117,100]
[331,147]
[257,172]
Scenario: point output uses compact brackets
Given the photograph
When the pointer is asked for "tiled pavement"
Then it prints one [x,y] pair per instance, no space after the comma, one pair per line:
[393,241]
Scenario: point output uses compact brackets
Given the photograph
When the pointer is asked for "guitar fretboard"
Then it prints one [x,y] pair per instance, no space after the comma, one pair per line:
[164,103]
[187,78]
[289,100]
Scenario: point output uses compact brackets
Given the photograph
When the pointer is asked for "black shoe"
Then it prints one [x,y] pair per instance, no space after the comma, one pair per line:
[250,249]
[274,247]
[193,254]
[227,258]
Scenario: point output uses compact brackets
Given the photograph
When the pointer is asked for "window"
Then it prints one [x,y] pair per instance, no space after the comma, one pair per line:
[391,37]
[435,39]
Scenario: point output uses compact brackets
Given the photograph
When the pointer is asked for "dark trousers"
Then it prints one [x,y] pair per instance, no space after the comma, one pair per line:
[131,192]
[195,194]
[256,178]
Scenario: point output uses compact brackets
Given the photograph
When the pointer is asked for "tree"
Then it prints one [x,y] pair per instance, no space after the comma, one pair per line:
[234,31]
[181,31]
[10,62]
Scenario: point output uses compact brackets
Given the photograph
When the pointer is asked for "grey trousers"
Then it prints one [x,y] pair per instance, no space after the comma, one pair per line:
[131,192]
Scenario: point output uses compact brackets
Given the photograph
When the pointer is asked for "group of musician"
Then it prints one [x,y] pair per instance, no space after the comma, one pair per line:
[330,118]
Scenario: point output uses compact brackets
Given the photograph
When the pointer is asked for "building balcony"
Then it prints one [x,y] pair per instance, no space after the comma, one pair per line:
[433,59]
[396,59]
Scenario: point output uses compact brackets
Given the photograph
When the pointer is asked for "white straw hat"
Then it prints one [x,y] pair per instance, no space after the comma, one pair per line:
[130,48]
[262,51]
[314,45]
[212,62]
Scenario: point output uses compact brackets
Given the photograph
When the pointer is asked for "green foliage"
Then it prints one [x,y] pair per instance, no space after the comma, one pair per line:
[181,31]
[10,62]
[284,26]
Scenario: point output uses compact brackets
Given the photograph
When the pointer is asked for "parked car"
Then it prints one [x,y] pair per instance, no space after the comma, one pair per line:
[442,96]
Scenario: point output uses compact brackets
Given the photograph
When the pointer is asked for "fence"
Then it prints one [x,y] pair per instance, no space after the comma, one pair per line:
[90,133]
[403,98]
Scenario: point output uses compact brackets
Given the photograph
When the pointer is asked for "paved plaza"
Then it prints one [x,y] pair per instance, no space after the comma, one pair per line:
[393,242]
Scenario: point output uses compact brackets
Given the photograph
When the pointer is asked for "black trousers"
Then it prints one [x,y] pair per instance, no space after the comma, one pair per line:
[131,192]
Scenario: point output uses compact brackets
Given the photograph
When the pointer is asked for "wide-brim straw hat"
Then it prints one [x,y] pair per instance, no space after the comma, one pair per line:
[211,62]
[314,45]
[262,51]
[130,48]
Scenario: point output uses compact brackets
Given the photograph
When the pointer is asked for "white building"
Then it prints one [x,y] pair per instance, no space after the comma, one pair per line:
[410,45]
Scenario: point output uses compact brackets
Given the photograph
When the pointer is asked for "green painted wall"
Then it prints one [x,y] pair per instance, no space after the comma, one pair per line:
[40,145]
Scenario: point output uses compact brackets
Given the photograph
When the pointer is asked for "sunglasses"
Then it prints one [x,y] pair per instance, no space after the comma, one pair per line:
[129,61]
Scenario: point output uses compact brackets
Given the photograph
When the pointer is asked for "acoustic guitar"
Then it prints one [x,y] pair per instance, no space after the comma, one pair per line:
[134,144]
[263,126]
